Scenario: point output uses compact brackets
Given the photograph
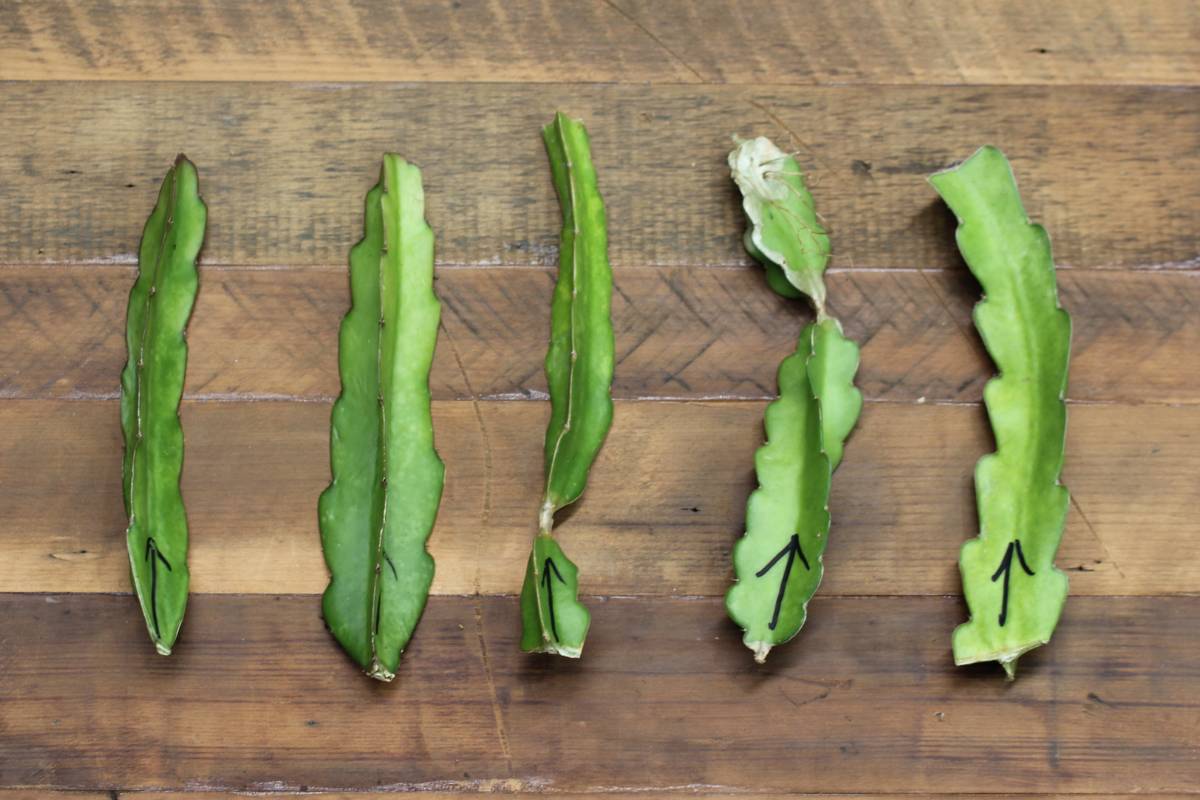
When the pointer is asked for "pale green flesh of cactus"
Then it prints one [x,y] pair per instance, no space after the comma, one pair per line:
[1013,590]
[787,516]
[160,304]
[380,507]
[779,561]
[831,371]
[579,368]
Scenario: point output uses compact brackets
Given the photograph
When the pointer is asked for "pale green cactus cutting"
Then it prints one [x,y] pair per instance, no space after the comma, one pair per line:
[1014,592]
[160,304]
[378,511]
[579,369]
[779,562]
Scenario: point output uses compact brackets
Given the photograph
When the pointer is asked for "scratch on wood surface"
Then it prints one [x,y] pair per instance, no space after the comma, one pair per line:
[971,340]
[794,136]
[487,450]
[662,45]
[1092,530]
[497,711]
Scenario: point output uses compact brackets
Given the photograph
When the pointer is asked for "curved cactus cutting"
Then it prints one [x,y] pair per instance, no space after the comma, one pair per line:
[380,507]
[1014,592]
[785,235]
[160,304]
[779,561]
[579,368]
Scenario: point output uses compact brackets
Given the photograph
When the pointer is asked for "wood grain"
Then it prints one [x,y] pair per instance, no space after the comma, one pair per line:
[663,507]
[507,788]
[511,789]
[1113,173]
[286,107]
[683,334]
[665,699]
[631,41]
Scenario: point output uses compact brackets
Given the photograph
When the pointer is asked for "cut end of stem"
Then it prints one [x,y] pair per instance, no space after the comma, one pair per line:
[546,518]
[1007,658]
[162,649]
[381,673]
[760,651]
[555,649]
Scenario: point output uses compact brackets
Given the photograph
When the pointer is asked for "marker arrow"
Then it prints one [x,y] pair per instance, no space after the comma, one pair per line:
[791,550]
[547,567]
[154,555]
[1005,569]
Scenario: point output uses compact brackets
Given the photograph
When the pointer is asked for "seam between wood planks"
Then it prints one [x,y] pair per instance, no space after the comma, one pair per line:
[216,398]
[1187,267]
[748,84]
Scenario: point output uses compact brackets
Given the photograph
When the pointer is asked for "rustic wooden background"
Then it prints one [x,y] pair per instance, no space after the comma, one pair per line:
[286,106]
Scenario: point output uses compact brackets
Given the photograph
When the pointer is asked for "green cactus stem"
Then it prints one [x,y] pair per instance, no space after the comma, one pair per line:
[779,561]
[160,304]
[579,369]
[378,511]
[1014,592]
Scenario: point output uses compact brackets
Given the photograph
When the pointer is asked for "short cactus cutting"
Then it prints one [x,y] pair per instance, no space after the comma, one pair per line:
[160,304]
[1014,592]
[579,369]
[381,505]
[779,561]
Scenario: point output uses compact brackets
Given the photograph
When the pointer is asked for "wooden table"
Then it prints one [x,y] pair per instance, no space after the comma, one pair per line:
[286,107]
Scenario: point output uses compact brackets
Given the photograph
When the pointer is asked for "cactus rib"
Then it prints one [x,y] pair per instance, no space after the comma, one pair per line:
[579,367]
[379,509]
[1014,604]
[160,304]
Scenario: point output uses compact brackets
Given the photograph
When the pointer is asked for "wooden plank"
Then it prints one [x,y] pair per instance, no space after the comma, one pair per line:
[684,334]
[929,41]
[258,696]
[509,788]
[1113,173]
[512,789]
[505,787]
[665,41]
[664,505]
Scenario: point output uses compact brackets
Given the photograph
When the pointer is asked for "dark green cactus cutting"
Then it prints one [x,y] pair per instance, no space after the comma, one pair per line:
[779,562]
[1013,590]
[160,304]
[380,507]
[579,368]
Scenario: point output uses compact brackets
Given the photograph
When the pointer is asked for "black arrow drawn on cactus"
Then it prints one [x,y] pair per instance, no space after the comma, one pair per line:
[547,568]
[154,555]
[1005,569]
[791,550]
